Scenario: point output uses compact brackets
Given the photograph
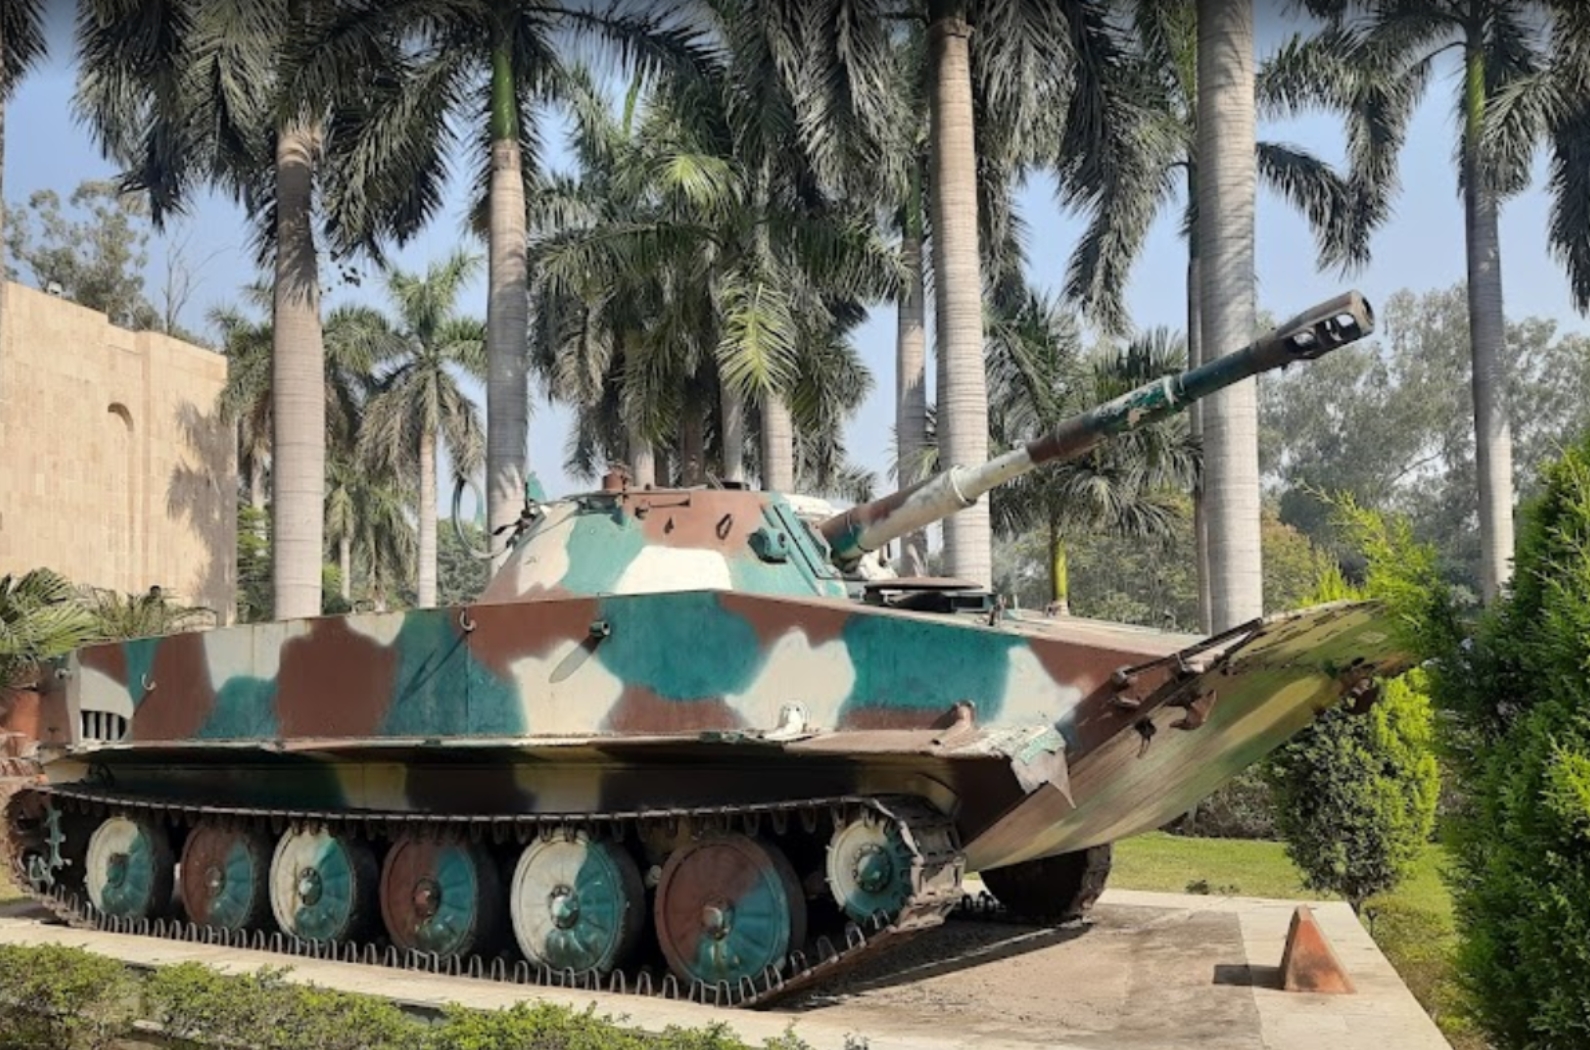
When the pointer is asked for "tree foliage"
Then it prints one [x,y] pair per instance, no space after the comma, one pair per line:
[1389,422]
[96,258]
[1521,694]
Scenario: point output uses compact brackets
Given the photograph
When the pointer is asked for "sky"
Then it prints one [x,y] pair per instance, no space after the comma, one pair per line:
[1420,249]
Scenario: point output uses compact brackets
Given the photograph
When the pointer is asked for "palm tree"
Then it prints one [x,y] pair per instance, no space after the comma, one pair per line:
[1043,79]
[1551,104]
[352,338]
[696,267]
[1227,174]
[22,45]
[187,93]
[1501,64]
[411,66]
[1039,376]
[418,399]
[1343,211]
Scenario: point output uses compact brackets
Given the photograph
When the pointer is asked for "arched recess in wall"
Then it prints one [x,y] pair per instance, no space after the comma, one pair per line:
[121,482]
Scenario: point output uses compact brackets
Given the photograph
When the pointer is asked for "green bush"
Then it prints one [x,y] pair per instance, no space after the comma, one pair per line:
[59,998]
[1355,795]
[1520,694]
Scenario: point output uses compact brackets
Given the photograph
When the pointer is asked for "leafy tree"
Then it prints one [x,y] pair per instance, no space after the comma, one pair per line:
[1386,422]
[1038,377]
[687,274]
[96,261]
[460,577]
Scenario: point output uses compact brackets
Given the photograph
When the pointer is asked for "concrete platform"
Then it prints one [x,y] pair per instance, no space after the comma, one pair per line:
[1153,970]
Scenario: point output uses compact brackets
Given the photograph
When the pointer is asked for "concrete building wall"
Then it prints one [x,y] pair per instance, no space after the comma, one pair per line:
[114,469]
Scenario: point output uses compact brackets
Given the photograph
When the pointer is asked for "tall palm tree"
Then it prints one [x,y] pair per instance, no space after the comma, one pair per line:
[411,67]
[22,45]
[353,338]
[1042,76]
[1343,210]
[187,93]
[418,399]
[1227,175]
[1500,59]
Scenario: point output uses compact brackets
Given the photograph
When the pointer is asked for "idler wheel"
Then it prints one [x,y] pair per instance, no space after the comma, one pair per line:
[440,895]
[869,868]
[577,903]
[323,885]
[225,875]
[728,907]
[129,870]
[1052,889]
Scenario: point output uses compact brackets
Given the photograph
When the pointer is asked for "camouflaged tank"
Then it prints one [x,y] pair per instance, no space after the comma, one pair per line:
[693,742]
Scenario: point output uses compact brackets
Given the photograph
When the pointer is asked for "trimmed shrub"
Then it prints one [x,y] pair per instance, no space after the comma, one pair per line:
[58,998]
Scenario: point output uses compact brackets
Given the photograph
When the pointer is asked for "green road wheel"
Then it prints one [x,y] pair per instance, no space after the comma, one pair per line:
[440,895]
[129,870]
[728,907]
[225,877]
[323,885]
[577,903]
[869,869]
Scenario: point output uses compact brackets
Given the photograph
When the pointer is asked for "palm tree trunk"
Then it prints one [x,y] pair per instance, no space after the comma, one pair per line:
[692,449]
[507,308]
[1224,227]
[345,567]
[298,386]
[1059,573]
[778,446]
[256,483]
[1493,439]
[732,404]
[910,371]
[1195,358]
[642,460]
[427,567]
[963,396]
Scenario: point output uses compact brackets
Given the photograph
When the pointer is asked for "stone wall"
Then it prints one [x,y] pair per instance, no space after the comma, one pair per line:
[114,469]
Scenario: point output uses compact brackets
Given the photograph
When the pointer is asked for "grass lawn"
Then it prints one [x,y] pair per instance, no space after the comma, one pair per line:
[1413,924]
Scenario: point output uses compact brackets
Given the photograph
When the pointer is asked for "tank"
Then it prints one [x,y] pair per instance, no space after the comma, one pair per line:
[699,743]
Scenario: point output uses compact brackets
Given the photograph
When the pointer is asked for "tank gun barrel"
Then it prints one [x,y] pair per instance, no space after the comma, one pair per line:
[1311,334]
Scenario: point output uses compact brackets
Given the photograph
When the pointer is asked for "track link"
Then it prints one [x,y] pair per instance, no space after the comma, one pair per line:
[937,867]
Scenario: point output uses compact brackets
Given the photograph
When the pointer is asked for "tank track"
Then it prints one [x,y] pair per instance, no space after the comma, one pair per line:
[936,871]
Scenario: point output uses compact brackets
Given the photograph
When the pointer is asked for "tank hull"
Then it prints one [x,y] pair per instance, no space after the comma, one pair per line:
[1027,734]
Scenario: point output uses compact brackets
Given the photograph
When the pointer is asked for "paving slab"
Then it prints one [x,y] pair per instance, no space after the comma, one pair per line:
[1150,971]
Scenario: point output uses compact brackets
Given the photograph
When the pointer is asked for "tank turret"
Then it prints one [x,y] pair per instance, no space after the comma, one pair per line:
[867,527]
